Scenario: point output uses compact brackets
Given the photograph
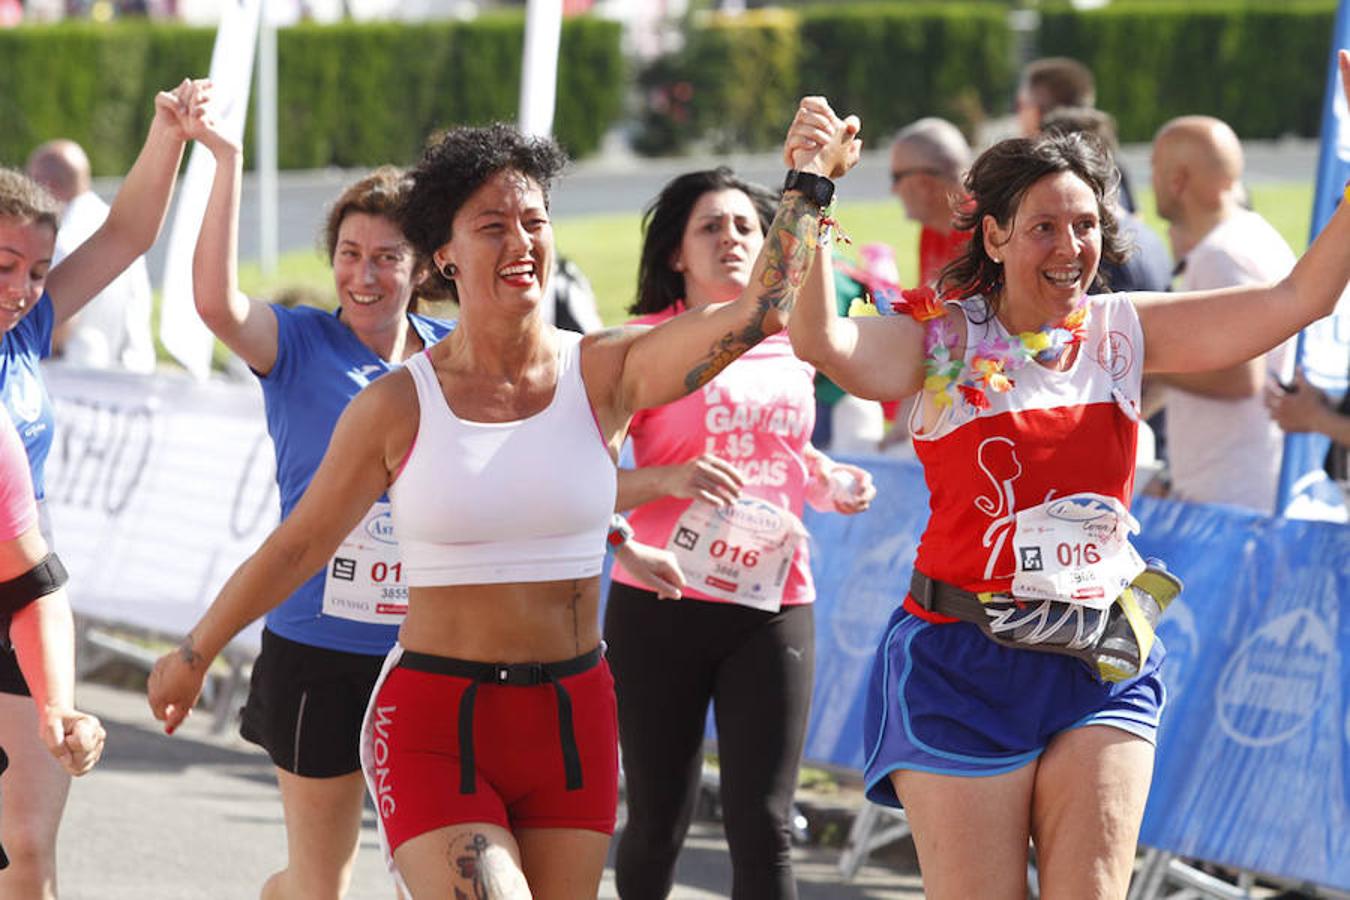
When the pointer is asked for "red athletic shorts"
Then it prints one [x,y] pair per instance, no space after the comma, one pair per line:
[450,741]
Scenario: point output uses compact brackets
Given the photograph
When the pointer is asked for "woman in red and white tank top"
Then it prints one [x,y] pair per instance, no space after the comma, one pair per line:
[1027,389]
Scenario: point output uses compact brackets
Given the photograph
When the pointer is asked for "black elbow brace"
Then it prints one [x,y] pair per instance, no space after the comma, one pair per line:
[44,578]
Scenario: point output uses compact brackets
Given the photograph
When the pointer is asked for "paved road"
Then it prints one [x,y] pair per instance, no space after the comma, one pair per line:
[196,817]
[622,183]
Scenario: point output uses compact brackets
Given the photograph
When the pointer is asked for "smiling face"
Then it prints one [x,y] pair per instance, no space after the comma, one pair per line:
[1049,251]
[25,258]
[374,272]
[501,244]
[717,253]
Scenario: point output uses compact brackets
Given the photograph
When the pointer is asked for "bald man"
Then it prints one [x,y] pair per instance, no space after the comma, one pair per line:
[928,160]
[1222,445]
[113,331]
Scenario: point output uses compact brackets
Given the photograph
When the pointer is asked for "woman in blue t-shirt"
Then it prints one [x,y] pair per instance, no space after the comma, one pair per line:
[36,297]
[323,647]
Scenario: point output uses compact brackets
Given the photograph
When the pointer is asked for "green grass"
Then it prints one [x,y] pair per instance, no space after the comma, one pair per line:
[606,247]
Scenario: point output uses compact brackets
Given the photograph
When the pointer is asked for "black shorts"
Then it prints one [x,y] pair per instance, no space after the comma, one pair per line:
[11,679]
[306,705]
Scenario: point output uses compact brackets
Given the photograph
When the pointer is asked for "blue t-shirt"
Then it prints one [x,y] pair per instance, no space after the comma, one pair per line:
[22,389]
[320,367]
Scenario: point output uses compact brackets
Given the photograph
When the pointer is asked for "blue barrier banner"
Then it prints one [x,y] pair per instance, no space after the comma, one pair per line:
[861,565]
[1254,752]
[1254,757]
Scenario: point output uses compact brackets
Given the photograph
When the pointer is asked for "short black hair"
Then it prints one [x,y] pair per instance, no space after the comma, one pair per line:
[458,162]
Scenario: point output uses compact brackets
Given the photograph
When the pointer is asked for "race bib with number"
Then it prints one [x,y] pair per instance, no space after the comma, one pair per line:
[1075,549]
[741,553]
[364,581]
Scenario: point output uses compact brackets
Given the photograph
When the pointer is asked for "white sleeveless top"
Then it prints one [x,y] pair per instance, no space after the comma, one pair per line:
[493,502]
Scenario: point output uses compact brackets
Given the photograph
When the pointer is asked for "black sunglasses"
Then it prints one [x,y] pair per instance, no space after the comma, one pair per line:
[899,175]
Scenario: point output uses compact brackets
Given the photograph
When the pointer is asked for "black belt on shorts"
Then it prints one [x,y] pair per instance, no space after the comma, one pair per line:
[510,675]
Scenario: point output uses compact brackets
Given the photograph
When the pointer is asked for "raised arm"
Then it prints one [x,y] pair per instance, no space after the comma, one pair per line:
[138,211]
[246,326]
[371,437]
[875,358]
[1240,323]
[683,354]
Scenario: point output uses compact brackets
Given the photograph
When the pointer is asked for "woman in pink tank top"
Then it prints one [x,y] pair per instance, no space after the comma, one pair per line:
[35,618]
[722,476]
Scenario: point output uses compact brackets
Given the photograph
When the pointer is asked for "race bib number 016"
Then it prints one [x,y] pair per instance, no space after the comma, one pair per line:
[1075,549]
[364,581]
[741,553]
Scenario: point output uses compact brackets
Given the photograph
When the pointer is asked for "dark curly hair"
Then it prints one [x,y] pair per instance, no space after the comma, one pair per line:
[997,183]
[24,199]
[381,193]
[456,163]
[663,225]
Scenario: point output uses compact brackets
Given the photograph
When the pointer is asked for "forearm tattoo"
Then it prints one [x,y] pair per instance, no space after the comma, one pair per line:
[789,249]
[189,655]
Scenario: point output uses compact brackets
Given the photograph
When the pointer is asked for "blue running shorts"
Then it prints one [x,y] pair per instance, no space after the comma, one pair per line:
[944,698]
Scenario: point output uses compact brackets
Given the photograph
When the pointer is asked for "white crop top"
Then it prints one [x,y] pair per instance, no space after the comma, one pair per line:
[492,502]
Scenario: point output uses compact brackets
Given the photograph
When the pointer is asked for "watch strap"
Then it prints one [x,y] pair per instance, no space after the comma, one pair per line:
[816,188]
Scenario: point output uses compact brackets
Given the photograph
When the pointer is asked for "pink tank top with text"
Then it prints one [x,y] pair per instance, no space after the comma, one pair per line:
[757,414]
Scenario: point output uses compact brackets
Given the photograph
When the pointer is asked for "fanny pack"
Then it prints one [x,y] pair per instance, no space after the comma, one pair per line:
[1113,642]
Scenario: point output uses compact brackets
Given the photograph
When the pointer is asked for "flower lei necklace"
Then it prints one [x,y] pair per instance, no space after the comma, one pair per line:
[948,376]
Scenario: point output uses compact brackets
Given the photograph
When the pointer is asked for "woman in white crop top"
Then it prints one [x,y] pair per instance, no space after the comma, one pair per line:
[490,747]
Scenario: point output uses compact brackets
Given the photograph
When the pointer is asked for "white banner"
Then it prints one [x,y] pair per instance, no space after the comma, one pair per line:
[158,487]
[180,329]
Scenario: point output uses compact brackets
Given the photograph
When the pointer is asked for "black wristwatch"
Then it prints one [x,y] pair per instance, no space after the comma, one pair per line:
[816,188]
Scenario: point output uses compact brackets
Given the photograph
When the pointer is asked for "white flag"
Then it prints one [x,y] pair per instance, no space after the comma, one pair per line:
[180,328]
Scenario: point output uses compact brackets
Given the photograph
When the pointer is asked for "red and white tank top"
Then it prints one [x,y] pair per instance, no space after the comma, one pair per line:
[1054,433]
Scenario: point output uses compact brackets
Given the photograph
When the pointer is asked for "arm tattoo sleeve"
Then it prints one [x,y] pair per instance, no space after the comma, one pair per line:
[789,249]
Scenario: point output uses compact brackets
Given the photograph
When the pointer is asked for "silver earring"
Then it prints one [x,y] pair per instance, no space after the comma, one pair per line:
[449,270]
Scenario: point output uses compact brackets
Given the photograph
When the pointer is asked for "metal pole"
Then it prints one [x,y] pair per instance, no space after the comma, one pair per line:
[267,143]
[539,69]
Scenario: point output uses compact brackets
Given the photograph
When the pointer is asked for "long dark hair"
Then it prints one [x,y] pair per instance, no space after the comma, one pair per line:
[663,224]
[997,183]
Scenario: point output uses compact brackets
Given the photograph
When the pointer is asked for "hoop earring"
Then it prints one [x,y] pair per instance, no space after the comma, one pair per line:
[449,271]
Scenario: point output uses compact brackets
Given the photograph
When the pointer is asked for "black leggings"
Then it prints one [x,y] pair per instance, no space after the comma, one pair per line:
[670,658]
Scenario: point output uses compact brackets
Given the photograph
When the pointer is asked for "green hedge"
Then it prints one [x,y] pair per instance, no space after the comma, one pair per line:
[897,64]
[1259,66]
[736,83]
[348,95]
